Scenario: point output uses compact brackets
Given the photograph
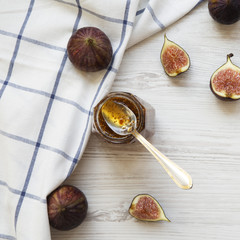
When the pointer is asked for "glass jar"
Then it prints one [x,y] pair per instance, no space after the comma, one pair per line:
[141,109]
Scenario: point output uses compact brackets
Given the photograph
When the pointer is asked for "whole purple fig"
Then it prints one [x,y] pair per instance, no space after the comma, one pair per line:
[67,207]
[224,11]
[89,49]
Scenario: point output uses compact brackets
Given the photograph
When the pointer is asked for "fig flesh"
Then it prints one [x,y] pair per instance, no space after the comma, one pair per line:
[67,207]
[225,81]
[224,11]
[144,207]
[174,58]
[89,49]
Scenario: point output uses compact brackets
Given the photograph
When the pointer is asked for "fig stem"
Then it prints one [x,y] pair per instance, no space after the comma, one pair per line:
[229,56]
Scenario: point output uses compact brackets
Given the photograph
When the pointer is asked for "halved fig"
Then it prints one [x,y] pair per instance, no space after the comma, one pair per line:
[225,81]
[144,207]
[174,59]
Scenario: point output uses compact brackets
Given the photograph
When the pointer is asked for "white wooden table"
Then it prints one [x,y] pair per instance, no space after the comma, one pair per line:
[192,127]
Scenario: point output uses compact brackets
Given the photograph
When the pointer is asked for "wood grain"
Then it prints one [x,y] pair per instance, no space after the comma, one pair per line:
[191,126]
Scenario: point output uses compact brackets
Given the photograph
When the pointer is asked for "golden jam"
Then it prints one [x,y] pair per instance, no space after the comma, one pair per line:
[115,114]
[133,103]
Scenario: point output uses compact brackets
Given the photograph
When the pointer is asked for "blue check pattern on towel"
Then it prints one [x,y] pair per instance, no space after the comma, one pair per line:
[46,104]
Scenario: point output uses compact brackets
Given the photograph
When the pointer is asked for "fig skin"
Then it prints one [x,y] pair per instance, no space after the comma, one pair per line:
[227,82]
[67,207]
[145,210]
[89,49]
[178,56]
[224,11]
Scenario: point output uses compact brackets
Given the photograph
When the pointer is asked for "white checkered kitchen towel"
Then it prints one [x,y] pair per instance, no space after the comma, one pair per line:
[46,104]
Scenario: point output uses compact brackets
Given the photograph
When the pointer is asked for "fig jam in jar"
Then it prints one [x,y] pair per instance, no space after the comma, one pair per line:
[141,109]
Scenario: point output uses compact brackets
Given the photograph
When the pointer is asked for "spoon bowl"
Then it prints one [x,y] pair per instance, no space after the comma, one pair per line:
[119,117]
[123,121]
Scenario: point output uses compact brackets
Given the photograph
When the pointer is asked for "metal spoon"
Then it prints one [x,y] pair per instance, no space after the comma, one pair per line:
[123,122]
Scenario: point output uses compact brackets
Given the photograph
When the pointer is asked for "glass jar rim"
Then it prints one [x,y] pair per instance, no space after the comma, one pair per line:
[136,104]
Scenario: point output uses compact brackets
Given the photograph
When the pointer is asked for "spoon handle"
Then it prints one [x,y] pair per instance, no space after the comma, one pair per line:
[178,175]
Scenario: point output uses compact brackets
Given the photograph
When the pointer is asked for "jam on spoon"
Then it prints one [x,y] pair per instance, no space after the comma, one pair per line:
[123,121]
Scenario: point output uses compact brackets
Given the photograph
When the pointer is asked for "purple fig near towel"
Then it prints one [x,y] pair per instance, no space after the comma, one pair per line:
[224,11]
[174,58]
[67,207]
[144,207]
[89,49]
[225,81]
